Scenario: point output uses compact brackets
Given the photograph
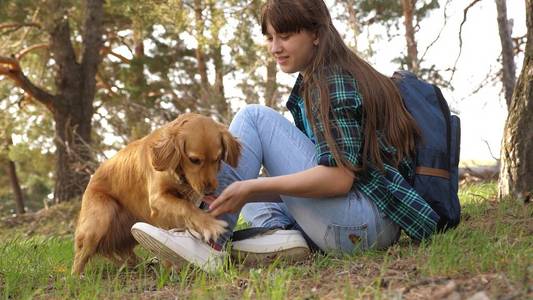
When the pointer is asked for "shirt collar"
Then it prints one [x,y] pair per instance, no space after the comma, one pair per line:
[295,96]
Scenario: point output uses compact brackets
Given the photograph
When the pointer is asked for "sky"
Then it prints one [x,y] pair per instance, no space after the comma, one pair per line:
[483,113]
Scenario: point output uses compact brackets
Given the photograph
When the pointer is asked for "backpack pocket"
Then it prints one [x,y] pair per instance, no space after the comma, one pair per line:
[436,191]
[433,182]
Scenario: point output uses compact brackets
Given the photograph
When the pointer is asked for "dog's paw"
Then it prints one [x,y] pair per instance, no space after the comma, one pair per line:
[211,228]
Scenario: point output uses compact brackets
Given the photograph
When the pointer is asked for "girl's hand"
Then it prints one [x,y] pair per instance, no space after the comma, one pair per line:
[232,198]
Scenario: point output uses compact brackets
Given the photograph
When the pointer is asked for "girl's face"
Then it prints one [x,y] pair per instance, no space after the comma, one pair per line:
[293,51]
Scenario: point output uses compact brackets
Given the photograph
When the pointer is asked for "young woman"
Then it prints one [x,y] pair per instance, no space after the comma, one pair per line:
[337,177]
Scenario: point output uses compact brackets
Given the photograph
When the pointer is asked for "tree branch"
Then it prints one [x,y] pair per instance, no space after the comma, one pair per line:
[465,12]
[92,44]
[105,84]
[490,150]
[15,67]
[23,52]
[107,51]
[489,78]
[92,35]
[518,43]
[10,67]
[63,50]
[440,32]
[16,26]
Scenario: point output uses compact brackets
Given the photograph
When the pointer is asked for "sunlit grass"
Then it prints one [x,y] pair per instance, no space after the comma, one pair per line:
[494,237]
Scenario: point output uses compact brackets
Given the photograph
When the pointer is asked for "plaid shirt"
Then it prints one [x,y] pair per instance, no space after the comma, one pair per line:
[389,189]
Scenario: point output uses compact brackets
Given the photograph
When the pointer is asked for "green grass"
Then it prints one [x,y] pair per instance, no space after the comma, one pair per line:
[491,251]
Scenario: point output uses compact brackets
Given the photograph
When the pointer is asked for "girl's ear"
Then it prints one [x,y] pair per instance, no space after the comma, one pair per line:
[315,42]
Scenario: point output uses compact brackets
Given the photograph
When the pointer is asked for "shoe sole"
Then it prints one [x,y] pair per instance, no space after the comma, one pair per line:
[289,255]
[158,248]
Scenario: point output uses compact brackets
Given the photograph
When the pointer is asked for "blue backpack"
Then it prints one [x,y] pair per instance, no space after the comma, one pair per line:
[437,153]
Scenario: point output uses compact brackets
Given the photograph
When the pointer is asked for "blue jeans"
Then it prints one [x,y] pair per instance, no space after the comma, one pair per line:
[344,224]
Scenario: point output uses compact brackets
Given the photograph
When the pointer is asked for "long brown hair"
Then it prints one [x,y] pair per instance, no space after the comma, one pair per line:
[383,108]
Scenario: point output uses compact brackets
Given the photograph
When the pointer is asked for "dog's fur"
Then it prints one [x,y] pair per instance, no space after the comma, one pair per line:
[157,179]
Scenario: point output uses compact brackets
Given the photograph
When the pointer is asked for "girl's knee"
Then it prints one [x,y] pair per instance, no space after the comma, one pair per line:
[252,113]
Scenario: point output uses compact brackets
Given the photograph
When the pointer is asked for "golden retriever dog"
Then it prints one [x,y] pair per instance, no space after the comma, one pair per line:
[159,179]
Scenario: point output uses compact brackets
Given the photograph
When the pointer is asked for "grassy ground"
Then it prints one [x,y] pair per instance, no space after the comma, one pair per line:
[490,254]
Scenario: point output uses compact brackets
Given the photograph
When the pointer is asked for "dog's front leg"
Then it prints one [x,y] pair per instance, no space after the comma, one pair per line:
[169,211]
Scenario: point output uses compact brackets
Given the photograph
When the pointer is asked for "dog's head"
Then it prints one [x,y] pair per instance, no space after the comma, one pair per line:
[194,146]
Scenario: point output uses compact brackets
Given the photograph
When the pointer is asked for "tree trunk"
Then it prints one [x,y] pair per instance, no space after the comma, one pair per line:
[136,113]
[219,96]
[354,22]
[73,156]
[200,55]
[271,84]
[412,52]
[73,105]
[509,68]
[516,173]
[15,185]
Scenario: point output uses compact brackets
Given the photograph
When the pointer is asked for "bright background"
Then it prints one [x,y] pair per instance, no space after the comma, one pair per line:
[482,114]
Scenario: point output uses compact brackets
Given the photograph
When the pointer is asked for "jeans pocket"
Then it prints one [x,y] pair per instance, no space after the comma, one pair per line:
[346,239]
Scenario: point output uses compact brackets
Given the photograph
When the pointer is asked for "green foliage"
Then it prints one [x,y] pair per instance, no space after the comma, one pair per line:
[157,77]
[32,152]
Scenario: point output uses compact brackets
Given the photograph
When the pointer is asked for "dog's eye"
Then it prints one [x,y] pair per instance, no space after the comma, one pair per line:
[195,160]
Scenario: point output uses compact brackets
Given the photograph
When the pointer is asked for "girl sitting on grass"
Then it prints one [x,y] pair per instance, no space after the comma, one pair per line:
[336,177]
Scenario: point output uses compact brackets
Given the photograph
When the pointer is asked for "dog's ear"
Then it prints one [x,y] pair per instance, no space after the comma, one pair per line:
[232,148]
[166,152]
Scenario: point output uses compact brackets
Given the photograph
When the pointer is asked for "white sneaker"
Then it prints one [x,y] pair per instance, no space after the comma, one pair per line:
[178,247]
[277,243]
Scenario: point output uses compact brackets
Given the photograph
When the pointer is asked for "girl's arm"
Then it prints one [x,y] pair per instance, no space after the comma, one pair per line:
[317,182]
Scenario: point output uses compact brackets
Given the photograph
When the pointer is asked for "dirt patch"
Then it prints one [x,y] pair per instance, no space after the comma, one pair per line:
[58,220]
[483,286]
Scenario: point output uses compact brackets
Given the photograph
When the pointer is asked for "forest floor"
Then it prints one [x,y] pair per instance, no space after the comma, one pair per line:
[488,256]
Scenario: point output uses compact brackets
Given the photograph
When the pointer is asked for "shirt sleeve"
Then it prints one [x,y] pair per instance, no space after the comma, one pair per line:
[344,118]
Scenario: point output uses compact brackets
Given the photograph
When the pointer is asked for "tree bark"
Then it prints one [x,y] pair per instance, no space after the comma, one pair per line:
[200,55]
[72,106]
[516,173]
[354,21]
[219,96]
[412,52]
[509,68]
[15,185]
[73,109]
[136,114]
[271,84]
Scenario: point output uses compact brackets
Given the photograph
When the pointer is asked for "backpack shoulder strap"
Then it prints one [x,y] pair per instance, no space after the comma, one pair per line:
[446,113]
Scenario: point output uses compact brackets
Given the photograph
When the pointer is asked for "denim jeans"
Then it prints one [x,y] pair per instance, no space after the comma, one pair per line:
[344,224]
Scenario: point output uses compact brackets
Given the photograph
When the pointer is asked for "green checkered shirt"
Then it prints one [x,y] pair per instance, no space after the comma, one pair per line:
[389,189]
